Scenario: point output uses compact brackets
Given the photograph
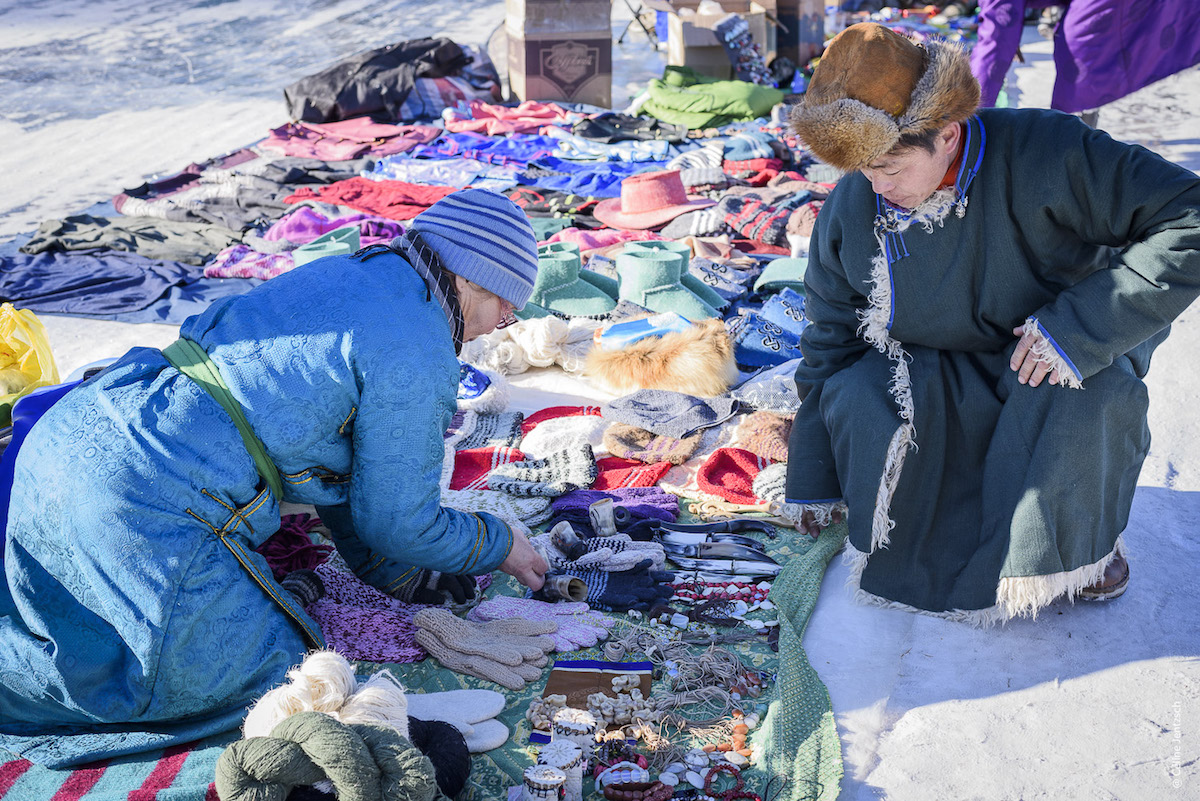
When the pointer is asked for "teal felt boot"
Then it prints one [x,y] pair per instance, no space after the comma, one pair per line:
[559,289]
[602,282]
[689,281]
[650,278]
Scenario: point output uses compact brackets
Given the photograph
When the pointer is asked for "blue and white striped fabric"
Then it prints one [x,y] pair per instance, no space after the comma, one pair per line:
[486,238]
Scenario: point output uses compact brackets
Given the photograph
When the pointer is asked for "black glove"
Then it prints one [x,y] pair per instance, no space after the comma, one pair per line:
[432,587]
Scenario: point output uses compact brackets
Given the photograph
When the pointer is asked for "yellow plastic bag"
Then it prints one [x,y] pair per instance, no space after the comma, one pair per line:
[26,362]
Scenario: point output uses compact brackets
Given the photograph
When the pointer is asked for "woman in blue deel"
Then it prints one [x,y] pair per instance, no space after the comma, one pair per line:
[134,612]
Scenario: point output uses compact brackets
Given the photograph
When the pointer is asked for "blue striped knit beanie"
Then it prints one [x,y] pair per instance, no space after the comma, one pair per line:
[486,238]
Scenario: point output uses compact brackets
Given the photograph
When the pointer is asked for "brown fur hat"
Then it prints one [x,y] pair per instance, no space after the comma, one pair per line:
[872,86]
[697,361]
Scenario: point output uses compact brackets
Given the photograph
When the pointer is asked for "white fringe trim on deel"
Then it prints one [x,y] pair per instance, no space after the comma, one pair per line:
[1044,351]
[857,561]
[1021,596]
[873,327]
[1025,596]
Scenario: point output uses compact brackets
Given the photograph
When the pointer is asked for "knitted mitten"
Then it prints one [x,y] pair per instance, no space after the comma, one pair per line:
[640,588]
[509,508]
[612,554]
[494,431]
[472,712]
[508,652]
[578,626]
[765,434]
[554,475]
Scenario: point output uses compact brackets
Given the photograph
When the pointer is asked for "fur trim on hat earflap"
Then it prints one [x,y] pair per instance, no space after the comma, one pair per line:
[846,133]
[946,93]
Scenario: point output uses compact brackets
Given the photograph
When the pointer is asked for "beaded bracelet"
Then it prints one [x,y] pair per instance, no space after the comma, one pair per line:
[735,792]
[639,791]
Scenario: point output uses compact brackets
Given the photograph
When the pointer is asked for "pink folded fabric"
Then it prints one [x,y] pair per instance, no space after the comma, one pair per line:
[486,118]
[346,139]
[240,261]
[601,238]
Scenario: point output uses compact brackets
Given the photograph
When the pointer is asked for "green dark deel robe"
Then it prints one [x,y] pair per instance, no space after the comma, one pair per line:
[969,493]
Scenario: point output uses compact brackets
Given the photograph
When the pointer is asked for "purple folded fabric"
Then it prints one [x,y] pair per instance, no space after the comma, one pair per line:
[306,224]
[241,261]
[643,503]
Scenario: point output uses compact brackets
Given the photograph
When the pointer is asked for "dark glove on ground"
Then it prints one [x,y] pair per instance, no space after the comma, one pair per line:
[638,588]
[432,587]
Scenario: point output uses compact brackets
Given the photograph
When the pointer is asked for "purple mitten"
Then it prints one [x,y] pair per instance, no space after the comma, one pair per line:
[360,622]
[578,626]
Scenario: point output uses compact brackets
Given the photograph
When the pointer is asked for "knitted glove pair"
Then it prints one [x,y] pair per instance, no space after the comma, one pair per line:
[472,712]
[639,588]
[509,652]
[614,554]
[578,626]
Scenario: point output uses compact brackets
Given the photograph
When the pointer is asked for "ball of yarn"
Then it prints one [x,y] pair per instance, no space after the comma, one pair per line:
[364,762]
[446,748]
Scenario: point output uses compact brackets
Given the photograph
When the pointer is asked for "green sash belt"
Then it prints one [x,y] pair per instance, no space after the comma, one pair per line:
[190,359]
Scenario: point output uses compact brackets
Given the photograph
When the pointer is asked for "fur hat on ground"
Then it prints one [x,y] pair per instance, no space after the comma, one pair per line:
[698,361]
[873,86]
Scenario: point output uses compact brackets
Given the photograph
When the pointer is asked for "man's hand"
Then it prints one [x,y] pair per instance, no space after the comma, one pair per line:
[1029,368]
[524,563]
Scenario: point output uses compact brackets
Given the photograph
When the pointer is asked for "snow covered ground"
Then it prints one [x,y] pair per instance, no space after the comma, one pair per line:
[1087,702]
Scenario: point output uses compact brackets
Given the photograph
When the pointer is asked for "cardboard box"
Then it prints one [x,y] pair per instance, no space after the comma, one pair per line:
[557,16]
[691,41]
[560,50]
[574,68]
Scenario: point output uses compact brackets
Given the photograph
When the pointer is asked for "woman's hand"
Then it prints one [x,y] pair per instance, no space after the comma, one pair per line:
[1029,368]
[524,563]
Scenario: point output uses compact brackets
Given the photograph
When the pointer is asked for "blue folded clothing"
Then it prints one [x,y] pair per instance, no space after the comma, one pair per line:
[786,309]
[758,342]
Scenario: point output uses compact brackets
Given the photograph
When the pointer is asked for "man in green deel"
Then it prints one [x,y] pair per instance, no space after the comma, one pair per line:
[986,287]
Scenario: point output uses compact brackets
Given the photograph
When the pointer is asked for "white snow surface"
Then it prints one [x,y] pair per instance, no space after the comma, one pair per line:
[1086,702]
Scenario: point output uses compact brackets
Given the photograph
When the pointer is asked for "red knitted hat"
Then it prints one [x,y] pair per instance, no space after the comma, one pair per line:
[729,473]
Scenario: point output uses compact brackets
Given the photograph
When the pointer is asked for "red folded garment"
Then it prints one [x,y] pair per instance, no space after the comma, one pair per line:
[616,472]
[395,200]
[551,412]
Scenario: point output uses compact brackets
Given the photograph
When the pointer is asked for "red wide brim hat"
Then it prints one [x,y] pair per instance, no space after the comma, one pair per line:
[648,200]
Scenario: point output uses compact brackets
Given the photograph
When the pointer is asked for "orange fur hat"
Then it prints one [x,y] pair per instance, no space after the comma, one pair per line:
[872,86]
[697,361]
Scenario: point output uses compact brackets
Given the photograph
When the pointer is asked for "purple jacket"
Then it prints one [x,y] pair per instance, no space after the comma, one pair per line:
[1103,49]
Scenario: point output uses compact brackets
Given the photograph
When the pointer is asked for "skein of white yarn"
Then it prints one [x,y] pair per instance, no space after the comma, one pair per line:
[325,682]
